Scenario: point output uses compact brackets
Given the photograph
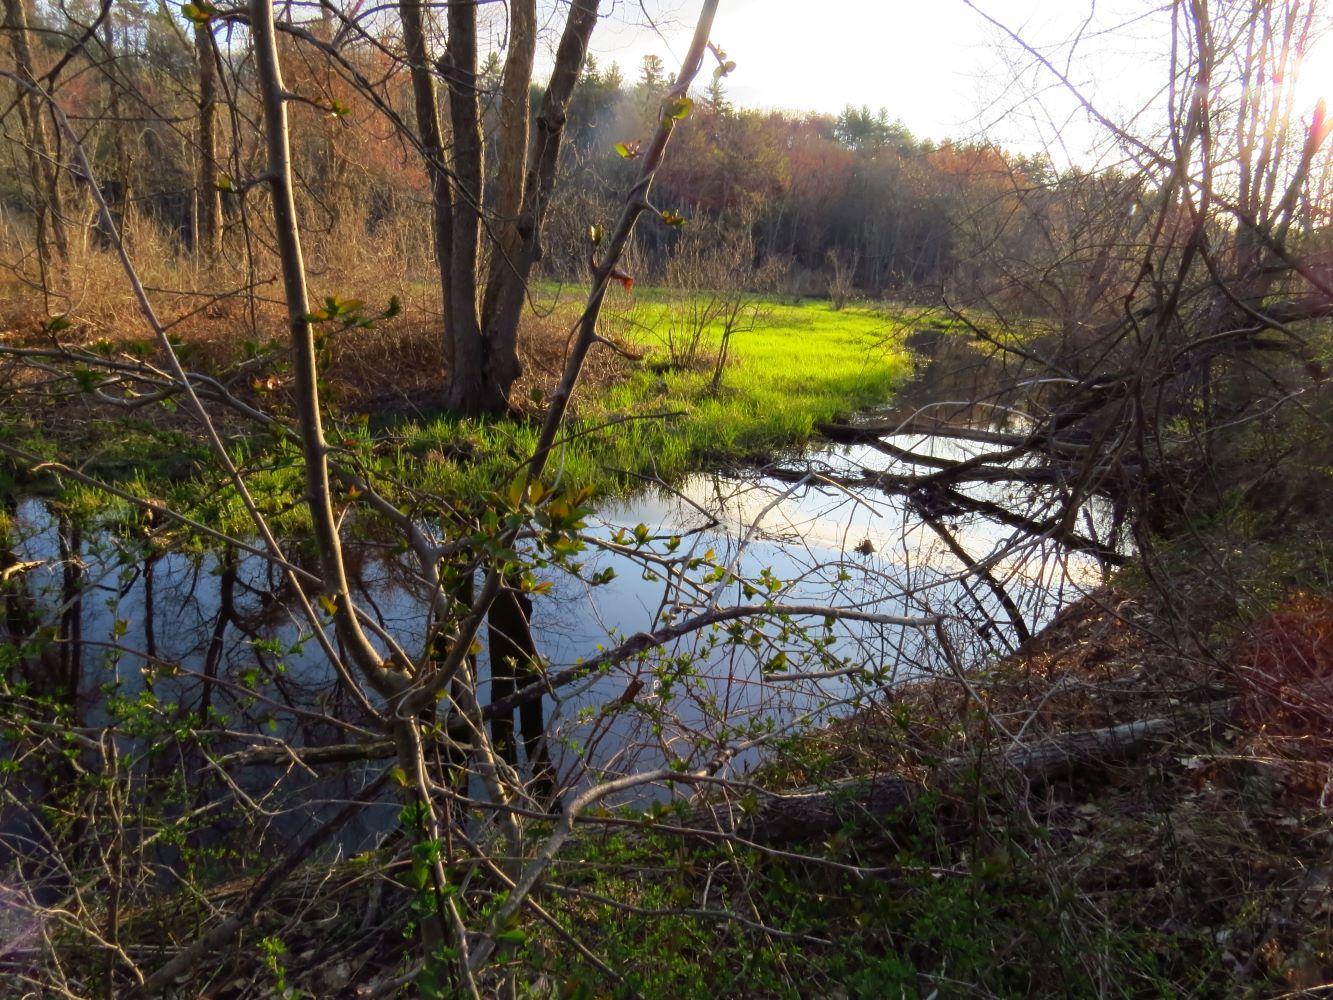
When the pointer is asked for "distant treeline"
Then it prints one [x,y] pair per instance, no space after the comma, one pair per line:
[855,191]
[856,198]
[853,199]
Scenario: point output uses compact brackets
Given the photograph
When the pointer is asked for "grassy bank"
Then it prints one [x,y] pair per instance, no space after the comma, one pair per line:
[802,364]
[635,416]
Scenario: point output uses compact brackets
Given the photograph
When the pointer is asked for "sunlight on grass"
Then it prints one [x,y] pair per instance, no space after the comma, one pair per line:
[802,364]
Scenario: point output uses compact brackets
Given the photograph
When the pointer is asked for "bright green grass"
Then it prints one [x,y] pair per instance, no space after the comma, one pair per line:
[801,365]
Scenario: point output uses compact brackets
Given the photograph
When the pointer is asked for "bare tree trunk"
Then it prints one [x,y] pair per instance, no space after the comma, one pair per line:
[481,344]
[208,237]
[404,725]
[42,168]
[508,281]
[319,496]
[432,142]
[512,144]
[468,390]
[121,189]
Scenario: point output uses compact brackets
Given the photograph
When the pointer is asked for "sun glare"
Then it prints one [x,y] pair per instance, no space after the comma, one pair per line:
[1314,78]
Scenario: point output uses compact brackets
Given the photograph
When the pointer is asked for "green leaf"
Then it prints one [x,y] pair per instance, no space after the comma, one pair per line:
[627,150]
[336,308]
[342,307]
[515,494]
[198,13]
[57,323]
[677,109]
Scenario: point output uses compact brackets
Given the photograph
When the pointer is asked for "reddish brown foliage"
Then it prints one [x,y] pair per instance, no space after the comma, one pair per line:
[1286,668]
[1292,647]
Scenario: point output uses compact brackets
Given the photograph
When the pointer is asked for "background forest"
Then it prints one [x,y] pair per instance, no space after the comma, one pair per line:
[851,202]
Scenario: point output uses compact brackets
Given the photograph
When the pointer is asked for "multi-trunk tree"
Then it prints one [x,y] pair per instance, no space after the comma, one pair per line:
[483,292]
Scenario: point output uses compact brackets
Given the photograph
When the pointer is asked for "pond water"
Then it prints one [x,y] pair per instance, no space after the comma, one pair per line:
[160,626]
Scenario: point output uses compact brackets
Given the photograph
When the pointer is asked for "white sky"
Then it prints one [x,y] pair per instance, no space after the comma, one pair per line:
[938,65]
[935,64]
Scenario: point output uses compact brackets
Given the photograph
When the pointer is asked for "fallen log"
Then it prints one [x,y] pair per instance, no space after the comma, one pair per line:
[282,754]
[1040,475]
[816,812]
[846,433]
[864,433]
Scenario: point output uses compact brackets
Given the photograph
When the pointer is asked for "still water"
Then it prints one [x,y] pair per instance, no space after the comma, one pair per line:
[157,627]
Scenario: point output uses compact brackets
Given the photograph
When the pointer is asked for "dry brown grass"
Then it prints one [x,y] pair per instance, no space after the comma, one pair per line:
[222,311]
